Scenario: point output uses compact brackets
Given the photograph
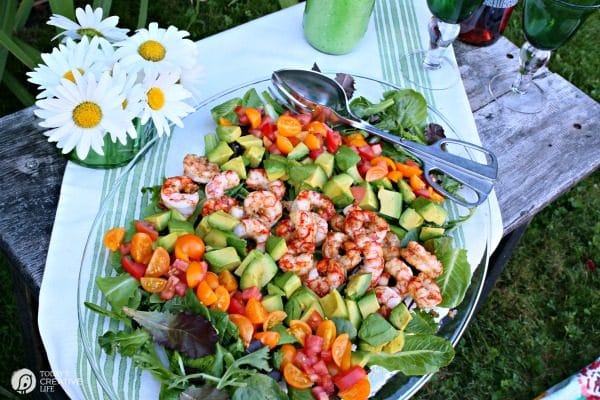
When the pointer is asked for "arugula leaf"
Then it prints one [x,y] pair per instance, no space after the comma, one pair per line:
[120,291]
[167,393]
[126,342]
[203,392]
[107,313]
[147,358]
[187,333]
[259,387]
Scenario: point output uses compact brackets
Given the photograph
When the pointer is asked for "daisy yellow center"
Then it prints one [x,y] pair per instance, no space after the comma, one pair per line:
[70,76]
[156,98]
[124,104]
[152,50]
[87,114]
[89,32]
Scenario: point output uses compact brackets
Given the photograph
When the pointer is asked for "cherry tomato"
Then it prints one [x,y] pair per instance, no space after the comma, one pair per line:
[360,391]
[134,269]
[159,263]
[313,142]
[228,280]
[288,126]
[300,330]
[314,320]
[295,377]
[244,326]
[346,379]
[317,128]
[376,172]
[369,152]
[236,306]
[255,311]
[288,352]
[223,299]
[152,284]
[274,318]
[333,141]
[254,117]
[212,280]
[146,227]
[268,338]
[284,145]
[327,331]
[341,351]
[113,238]
[195,273]
[417,183]
[205,294]
[141,247]
[189,247]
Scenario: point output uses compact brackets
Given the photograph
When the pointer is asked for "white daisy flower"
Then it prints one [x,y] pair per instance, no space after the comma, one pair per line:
[192,79]
[157,50]
[133,93]
[90,24]
[84,56]
[82,113]
[165,101]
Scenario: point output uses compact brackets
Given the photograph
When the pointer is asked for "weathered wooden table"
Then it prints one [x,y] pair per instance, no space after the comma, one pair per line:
[540,156]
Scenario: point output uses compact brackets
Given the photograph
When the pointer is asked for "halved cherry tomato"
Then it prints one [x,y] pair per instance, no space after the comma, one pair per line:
[423,193]
[113,238]
[356,140]
[205,294]
[295,377]
[341,351]
[346,379]
[254,117]
[212,280]
[288,352]
[284,144]
[327,331]
[153,284]
[435,196]
[376,172]
[159,263]
[223,298]
[227,279]
[236,306]
[146,227]
[141,247]
[314,320]
[313,142]
[256,312]
[274,318]
[268,338]
[300,330]
[244,326]
[417,183]
[333,141]
[359,391]
[189,247]
[395,176]
[195,273]
[288,126]
[317,128]
[408,170]
[391,165]
[134,269]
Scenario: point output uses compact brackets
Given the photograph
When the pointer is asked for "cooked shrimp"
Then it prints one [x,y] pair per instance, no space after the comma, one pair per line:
[327,275]
[373,260]
[199,168]
[264,205]
[337,222]
[224,203]
[221,182]
[285,229]
[349,208]
[387,296]
[321,228]
[257,180]
[304,226]
[350,257]
[391,246]
[300,264]
[365,226]
[309,200]
[401,273]
[424,291]
[296,245]
[384,279]
[180,193]
[421,259]
[255,229]
[236,212]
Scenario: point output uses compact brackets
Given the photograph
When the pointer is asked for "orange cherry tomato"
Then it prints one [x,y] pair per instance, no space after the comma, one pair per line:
[327,331]
[255,311]
[152,284]
[212,280]
[408,170]
[114,238]
[288,352]
[375,172]
[228,280]
[224,122]
[394,176]
[341,351]
[313,142]
[223,298]
[300,330]
[189,247]
[159,263]
[295,377]
[270,339]
[141,247]
[205,294]
[253,116]
[284,144]
[244,326]
[317,128]
[435,196]
[195,273]
[391,165]
[417,183]
[288,126]
[274,318]
[359,391]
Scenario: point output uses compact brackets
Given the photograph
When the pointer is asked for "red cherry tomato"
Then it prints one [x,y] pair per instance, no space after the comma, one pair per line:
[333,141]
[135,269]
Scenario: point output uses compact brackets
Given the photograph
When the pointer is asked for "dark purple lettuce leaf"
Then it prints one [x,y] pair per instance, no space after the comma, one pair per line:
[433,133]
[347,83]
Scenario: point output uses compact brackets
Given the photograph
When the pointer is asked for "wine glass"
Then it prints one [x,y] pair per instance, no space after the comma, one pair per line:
[444,27]
[547,24]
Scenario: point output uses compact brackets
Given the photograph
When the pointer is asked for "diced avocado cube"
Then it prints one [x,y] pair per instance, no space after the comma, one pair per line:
[353,312]
[258,273]
[180,226]
[346,158]
[338,190]
[254,155]
[317,178]
[298,152]
[326,161]
[253,255]
[302,299]
[210,142]
[391,203]
[177,216]
[407,194]
[235,164]
[410,219]
[288,282]
[430,232]
[272,302]
[376,330]
[248,141]
[400,316]
[229,133]
[221,220]
[167,242]
[274,289]
[314,307]
[159,220]
[398,231]
[275,169]
[222,259]
[237,243]
[430,211]
[276,247]
[298,173]
[368,304]
[306,161]
[358,285]
[220,154]
[202,228]
[333,305]
[395,345]
[216,238]
[353,172]
[369,199]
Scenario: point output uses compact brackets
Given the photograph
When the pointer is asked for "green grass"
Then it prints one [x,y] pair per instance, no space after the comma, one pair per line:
[538,325]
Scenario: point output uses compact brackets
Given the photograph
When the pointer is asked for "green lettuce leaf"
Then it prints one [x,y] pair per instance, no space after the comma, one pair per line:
[456,277]
[120,291]
[259,387]
[125,342]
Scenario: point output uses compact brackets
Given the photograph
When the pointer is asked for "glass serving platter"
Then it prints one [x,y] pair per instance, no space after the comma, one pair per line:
[116,377]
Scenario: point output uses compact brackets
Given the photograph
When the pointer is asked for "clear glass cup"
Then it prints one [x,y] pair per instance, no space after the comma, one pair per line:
[547,24]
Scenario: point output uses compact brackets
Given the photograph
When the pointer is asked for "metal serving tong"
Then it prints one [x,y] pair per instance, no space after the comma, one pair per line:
[304,90]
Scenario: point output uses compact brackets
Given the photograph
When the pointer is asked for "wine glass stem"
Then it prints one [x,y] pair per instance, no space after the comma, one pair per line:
[531,59]
[441,35]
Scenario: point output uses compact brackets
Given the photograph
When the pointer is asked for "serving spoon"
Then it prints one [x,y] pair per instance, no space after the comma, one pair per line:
[308,90]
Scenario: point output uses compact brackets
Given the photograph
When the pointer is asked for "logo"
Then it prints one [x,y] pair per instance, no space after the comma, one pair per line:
[23,381]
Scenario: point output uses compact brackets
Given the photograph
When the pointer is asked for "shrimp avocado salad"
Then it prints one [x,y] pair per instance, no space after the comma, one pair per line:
[287,260]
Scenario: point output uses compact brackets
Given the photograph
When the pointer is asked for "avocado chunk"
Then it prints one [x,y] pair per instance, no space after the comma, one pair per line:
[383,183]
[180,226]
[258,273]
[235,164]
[430,211]
[391,203]
[254,155]
[358,285]
[333,305]
[398,231]
[430,232]
[220,154]
[338,190]
[288,282]
[202,228]
[314,307]
[410,219]
[368,304]
[407,194]
[248,141]
[274,289]
[210,142]
[222,259]
[326,161]
[346,158]
[310,174]
[275,169]
[395,345]
[298,152]
[216,238]
[253,255]
[272,302]
[400,316]
[221,220]
[276,247]
[159,220]
[353,172]
[302,299]
[229,133]
[317,178]
[167,242]
[369,201]
[353,312]
[177,216]
[376,331]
